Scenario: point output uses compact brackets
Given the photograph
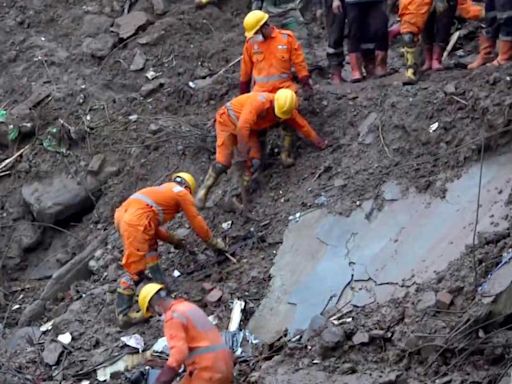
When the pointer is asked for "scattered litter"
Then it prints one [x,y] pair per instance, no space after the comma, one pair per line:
[85,382]
[236,315]
[46,326]
[16,307]
[342,321]
[13,133]
[136,341]
[316,361]
[213,319]
[65,338]
[237,341]
[133,118]
[3,115]
[191,84]
[176,273]
[499,279]
[433,127]
[151,75]
[227,225]
[54,140]
[295,218]
[104,372]
[160,347]
[322,200]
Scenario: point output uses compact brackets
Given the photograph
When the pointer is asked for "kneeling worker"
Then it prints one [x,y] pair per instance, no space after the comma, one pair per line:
[192,339]
[237,124]
[140,221]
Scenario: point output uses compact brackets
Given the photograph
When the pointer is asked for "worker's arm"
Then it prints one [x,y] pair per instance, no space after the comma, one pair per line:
[246,69]
[246,122]
[174,331]
[166,236]
[469,10]
[196,221]
[301,125]
[298,59]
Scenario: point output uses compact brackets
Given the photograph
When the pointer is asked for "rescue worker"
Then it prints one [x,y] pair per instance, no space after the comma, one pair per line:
[140,221]
[335,22]
[237,125]
[192,340]
[498,27]
[437,31]
[269,56]
[367,18]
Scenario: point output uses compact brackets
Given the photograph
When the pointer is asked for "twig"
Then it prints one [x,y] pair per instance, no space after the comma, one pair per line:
[383,142]
[48,72]
[230,257]
[7,163]
[459,100]
[473,255]
[207,23]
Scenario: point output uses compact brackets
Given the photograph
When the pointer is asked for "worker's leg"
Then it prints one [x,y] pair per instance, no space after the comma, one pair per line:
[378,25]
[335,35]
[428,37]
[355,21]
[504,12]
[444,22]
[488,37]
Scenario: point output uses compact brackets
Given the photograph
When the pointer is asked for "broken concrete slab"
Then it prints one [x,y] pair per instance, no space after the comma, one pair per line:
[99,46]
[139,61]
[368,129]
[127,25]
[443,300]
[93,25]
[52,352]
[425,301]
[56,198]
[151,87]
[156,31]
[96,164]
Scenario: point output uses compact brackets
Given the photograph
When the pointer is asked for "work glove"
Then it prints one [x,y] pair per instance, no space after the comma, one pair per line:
[337,8]
[167,375]
[320,143]
[157,274]
[306,83]
[441,6]
[217,244]
[176,241]
[245,87]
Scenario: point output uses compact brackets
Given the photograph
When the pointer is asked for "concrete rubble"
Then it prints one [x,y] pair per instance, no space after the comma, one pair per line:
[127,25]
[99,46]
[139,61]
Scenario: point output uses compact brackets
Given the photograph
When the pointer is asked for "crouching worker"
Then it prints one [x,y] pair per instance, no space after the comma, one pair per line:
[140,221]
[192,339]
[237,125]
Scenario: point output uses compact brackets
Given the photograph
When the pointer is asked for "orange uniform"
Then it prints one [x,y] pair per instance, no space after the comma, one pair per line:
[140,217]
[194,341]
[239,120]
[269,62]
[469,10]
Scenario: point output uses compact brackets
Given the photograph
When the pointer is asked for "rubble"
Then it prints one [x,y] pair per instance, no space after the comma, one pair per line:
[29,235]
[367,129]
[96,164]
[426,300]
[151,87]
[99,46]
[317,324]
[214,296]
[361,338]
[52,352]
[443,300]
[127,25]
[56,198]
[161,7]
[331,337]
[94,25]
[139,61]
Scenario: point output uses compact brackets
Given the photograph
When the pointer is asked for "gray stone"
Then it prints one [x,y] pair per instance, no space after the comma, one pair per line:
[149,88]
[427,300]
[139,61]
[52,353]
[30,235]
[96,163]
[317,324]
[391,191]
[55,198]
[160,7]
[443,300]
[367,129]
[214,296]
[99,46]
[155,128]
[389,378]
[361,338]
[127,25]
[45,269]
[23,338]
[156,31]
[348,368]
[39,93]
[93,25]
[450,89]
[378,334]
[332,337]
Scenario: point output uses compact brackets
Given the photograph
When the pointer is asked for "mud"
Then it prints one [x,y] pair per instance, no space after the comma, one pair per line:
[95,102]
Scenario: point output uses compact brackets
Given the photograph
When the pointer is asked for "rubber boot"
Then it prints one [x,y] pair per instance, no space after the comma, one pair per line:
[437,58]
[158,275]
[505,53]
[355,66]
[369,59]
[411,71]
[427,56]
[287,148]
[125,317]
[486,54]
[381,63]
[336,78]
[211,178]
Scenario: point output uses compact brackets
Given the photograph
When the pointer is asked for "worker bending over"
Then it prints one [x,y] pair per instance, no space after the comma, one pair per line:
[140,221]
[192,340]
[237,124]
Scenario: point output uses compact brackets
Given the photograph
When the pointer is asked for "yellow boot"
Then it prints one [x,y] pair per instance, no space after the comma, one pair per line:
[411,70]
[214,172]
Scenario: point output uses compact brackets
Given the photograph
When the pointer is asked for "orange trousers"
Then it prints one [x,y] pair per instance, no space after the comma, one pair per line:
[212,368]
[139,235]
[227,142]
[413,15]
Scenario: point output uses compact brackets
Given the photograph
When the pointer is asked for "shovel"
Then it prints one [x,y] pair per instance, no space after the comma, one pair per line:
[201,83]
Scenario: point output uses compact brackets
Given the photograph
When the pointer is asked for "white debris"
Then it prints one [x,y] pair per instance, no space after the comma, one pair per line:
[16,307]
[85,382]
[176,273]
[150,75]
[236,315]
[213,319]
[295,218]
[160,346]
[191,84]
[46,326]
[133,118]
[227,225]
[65,338]
[433,127]
[136,341]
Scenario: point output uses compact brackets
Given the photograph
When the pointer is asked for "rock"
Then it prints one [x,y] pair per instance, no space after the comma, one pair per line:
[93,25]
[139,61]
[56,198]
[450,89]
[378,334]
[412,343]
[389,378]
[155,32]
[214,296]
[443,300]
[367,129]
[316,326]
[332,337]
[23,110]
[33,311]
[160,7]
[45,269]
[361,338]
[391,191]
[155,128]
[52,353]
[127,25]
[96,163]
[151,87]
[427,300]
[22,338]
[30,235]
[445,380]
[99,46]
[207,287]
[348,368]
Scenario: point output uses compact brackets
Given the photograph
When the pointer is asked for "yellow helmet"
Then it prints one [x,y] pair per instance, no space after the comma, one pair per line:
[181,177]
[285,102]
[253,21]
[146,294]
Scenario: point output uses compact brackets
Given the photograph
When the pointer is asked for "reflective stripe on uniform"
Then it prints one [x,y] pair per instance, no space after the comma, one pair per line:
[272,78]
[151,254]
[204,350]
[178,316]
[231,113]
[498,14]
[151,203]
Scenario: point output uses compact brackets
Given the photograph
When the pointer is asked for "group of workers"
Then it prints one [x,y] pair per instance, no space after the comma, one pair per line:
[273,69]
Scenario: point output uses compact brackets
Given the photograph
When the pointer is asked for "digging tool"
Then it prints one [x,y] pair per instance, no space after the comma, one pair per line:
[451,44]
[201,83]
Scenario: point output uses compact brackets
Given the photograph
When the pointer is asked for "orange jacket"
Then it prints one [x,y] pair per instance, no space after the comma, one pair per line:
[163,203]
[269,61]
[255,111]
[192,339]
[469,10]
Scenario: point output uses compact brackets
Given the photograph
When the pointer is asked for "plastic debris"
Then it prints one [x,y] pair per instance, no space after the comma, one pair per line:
[46,326]
[227,225]
[13,133]
[295,218]
[213,319]
[239,342]
[321,200]
[150,75]
[176,273]
[135,341]
[54,141]
[3,115]
[16,307]
[433,127]
[160,346]
[499,279]
[85,382]
[236,315]
[124,363]
[65,338]
[133,118]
